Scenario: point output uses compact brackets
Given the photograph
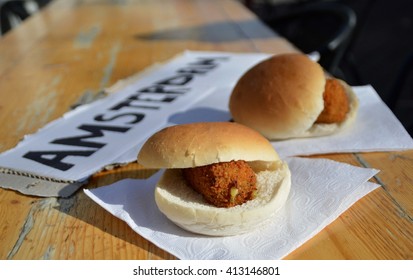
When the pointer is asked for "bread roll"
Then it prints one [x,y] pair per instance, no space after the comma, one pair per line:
[199,144]
[282,97]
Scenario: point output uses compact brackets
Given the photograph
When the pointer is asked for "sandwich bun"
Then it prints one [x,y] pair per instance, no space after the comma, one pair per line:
[202,144]
[282,97]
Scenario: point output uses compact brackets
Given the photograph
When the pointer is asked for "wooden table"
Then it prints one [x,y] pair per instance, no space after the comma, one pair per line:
[71,50]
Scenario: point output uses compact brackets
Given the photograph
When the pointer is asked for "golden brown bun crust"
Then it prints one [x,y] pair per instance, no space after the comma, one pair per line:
[280,97]
[198,144]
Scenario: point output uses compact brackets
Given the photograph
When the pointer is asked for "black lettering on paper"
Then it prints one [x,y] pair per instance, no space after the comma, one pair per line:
[95,131]
[55,159]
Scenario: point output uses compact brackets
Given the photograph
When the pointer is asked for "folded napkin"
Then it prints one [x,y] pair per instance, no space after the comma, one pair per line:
[321,190]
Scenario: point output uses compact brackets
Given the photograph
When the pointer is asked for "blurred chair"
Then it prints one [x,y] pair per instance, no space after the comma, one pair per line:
[325,27]
[401,83]
[400,96]
[12,11]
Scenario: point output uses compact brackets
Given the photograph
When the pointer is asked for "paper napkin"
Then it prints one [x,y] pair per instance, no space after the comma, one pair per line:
[321,190]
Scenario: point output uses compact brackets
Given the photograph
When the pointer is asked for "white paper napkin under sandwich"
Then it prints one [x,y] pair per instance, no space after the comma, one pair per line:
[321,190]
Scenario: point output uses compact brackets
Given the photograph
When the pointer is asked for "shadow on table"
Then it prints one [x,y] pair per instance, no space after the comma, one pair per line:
[216,32]
[82,208]
[200,114]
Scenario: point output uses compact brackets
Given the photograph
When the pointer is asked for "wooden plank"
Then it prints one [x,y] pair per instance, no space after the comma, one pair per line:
[77,229]
[16,221]
[395,177]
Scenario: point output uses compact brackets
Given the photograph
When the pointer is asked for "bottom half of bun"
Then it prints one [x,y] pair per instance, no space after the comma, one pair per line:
[322,129]
[187,209]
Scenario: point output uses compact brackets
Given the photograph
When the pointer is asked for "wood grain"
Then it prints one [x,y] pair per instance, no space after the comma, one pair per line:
[68,53]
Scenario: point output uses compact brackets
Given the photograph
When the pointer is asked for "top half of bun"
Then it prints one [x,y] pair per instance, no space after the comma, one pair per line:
[289,86]
[198,144]
[282,97]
